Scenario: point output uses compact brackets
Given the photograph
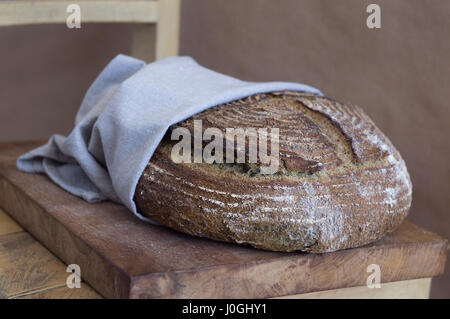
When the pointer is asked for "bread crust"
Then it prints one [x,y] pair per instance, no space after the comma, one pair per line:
[341,183]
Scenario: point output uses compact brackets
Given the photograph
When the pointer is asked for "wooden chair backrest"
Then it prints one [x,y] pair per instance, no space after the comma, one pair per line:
[155,33]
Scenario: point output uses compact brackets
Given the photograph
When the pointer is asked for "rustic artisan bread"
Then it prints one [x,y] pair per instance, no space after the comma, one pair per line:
[341,183]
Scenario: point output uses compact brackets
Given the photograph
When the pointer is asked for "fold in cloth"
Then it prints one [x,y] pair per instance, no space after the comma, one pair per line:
[124,116]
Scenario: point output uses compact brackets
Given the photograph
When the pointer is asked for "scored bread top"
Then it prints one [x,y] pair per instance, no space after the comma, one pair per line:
[340,183]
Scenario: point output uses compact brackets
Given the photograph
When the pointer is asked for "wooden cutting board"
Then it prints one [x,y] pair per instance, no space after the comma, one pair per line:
[123,257]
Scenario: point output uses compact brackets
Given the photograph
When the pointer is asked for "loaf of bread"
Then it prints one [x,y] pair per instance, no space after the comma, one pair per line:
[340,184]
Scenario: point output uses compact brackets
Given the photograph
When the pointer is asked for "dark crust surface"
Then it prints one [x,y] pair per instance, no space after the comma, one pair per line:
[340,184]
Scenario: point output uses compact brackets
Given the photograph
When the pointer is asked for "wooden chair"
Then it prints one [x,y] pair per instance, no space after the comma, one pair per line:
[155,36]
[155,33]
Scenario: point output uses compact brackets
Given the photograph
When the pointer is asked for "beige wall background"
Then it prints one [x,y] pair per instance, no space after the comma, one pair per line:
[400,74]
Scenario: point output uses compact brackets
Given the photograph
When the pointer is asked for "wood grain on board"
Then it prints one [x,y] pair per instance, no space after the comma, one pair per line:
[29,269]
[7,225]
[84,292]
[123,257]
[19,272]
